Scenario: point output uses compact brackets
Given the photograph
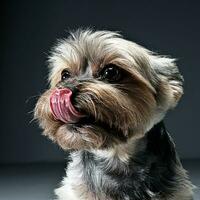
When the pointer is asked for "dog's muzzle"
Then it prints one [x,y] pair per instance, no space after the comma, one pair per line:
[61,106]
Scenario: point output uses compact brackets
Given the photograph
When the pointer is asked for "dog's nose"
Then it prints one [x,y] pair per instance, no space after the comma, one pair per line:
[72,85]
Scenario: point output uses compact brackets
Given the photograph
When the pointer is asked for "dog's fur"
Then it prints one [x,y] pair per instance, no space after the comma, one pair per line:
[121,149]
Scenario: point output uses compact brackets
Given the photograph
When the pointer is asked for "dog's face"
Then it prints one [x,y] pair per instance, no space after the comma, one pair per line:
[104,91]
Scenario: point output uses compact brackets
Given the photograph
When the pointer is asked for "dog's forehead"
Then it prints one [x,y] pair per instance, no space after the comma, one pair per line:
[86,53]
[87,69]
[90,53]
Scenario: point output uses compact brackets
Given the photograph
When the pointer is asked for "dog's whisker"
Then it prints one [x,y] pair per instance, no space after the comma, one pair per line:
[32,97]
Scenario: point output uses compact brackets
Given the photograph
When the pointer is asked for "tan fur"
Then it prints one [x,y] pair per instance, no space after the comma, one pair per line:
[122,111]
[132,107]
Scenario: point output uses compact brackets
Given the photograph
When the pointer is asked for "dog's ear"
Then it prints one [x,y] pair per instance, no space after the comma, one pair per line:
[169,82]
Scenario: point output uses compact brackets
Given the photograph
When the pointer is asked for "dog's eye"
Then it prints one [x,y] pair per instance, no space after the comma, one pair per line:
[65,75]
[111,73]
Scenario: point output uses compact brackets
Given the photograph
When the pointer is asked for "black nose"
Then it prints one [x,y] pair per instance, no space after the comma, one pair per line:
[72,85]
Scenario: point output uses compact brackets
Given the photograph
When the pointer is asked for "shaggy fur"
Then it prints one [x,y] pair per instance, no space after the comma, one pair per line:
[121,147]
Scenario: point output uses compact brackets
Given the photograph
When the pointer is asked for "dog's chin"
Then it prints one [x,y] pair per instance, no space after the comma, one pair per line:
[88,133]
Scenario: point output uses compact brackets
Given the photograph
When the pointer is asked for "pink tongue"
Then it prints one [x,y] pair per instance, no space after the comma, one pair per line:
[61,107]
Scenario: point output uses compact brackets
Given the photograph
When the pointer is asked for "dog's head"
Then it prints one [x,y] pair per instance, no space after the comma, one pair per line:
[105,90]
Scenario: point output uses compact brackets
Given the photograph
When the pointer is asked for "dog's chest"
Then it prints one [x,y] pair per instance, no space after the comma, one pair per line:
[76,185]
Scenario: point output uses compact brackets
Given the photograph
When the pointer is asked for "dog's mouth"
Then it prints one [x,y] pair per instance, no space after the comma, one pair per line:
[63,110]
[89,121]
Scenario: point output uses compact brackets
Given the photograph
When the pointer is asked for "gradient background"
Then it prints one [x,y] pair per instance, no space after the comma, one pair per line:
[30,29]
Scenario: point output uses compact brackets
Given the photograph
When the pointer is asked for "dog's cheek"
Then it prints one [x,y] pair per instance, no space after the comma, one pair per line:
[142,105]
[106,104]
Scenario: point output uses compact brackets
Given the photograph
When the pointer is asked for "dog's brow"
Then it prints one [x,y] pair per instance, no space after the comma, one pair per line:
[86,72]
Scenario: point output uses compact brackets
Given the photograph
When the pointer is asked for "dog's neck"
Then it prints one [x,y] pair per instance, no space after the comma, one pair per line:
[156,140]
[156,145]
[107,170]
[123,152]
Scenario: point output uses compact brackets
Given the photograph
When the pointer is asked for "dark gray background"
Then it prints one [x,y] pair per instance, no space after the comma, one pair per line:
[29,30]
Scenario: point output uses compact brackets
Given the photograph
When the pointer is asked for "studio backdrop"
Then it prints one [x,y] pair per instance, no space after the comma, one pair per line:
[31,28]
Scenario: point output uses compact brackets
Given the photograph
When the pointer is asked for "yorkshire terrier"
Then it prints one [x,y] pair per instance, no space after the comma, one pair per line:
[106,102]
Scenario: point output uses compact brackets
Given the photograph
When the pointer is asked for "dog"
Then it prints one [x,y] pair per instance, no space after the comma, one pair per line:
[106,103]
